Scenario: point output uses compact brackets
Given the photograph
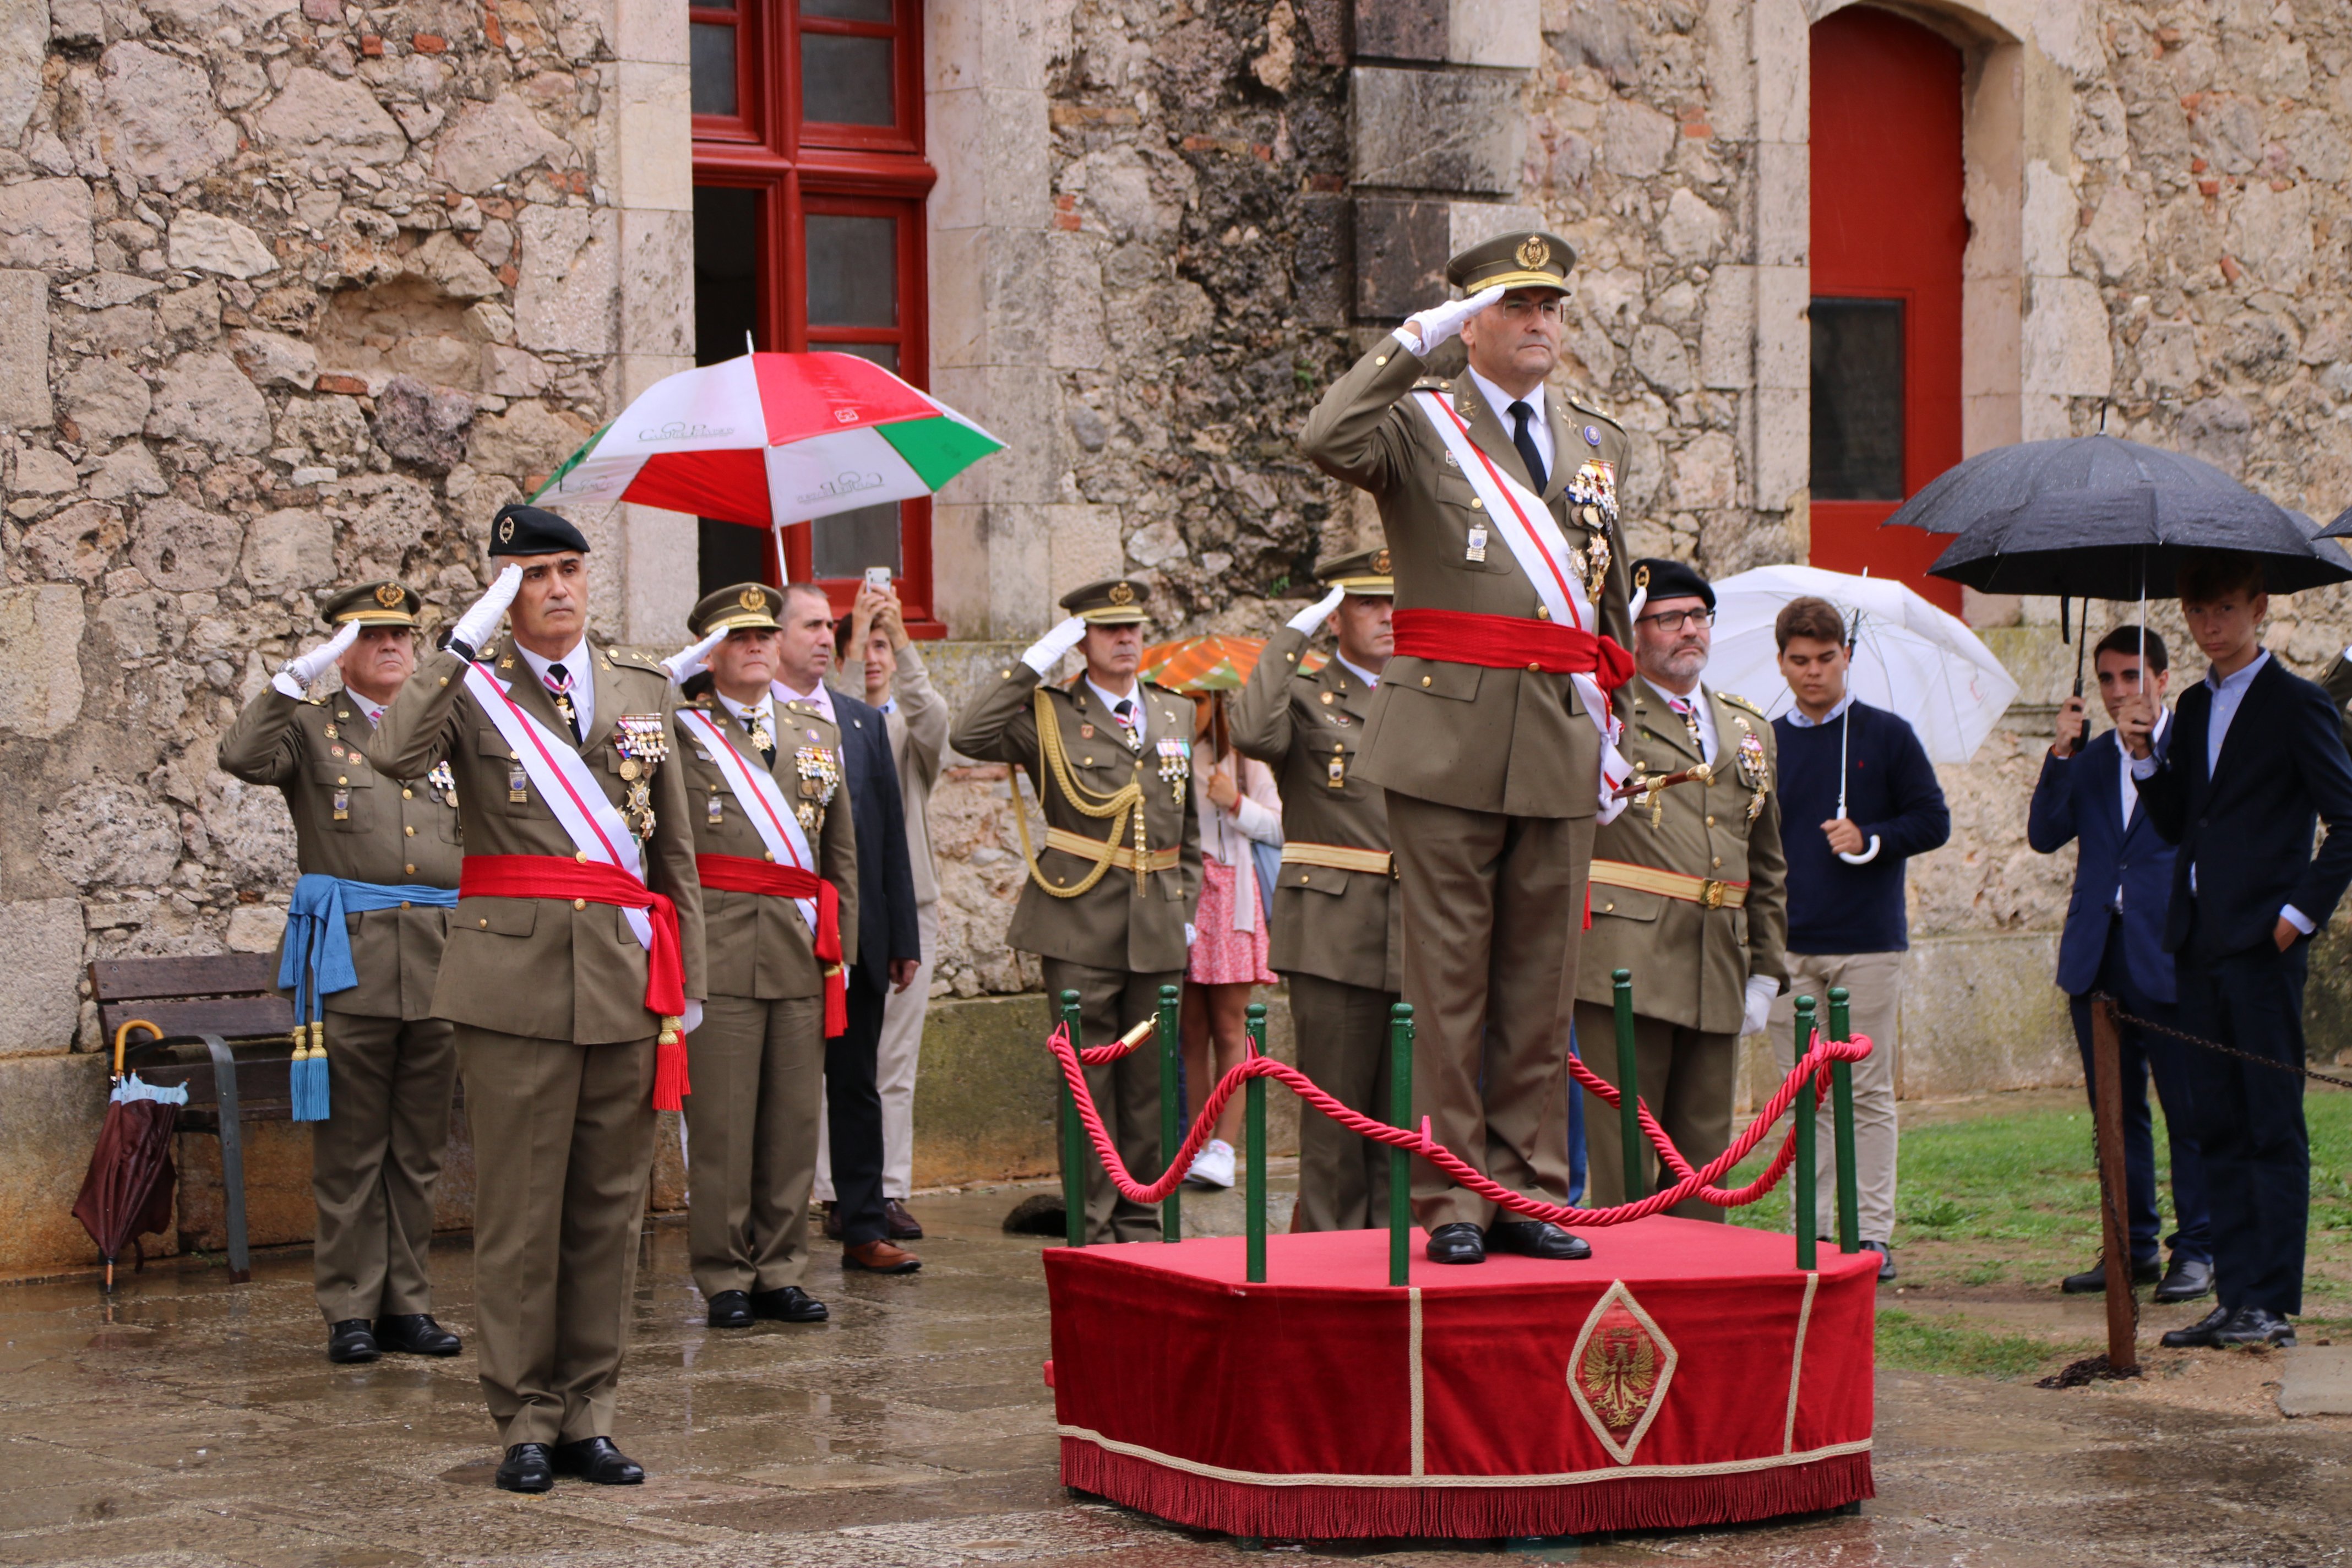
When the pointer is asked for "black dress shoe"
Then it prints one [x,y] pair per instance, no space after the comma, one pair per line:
[526,1469]
[1535,1239]
[790,1304]
[597,1462]
[352,1340]
[2187,1279]
[2092,1281]
[416,1333]
[1460,1242]
[2198,1336]
[904,1226]
[1885,1260]
[2255,1326]
[729,1310]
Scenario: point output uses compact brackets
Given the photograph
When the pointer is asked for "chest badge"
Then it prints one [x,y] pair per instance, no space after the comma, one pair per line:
[1593,492]
[642,741]
[1475,545]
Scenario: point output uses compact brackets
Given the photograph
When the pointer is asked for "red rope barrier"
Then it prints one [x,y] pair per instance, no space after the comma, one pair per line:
[1690,1183]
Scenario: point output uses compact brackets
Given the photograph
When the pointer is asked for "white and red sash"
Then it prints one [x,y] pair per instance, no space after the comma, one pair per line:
[1542,552]
[771,816]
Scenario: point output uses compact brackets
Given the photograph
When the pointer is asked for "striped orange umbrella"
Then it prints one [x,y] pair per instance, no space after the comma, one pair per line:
[1198,666]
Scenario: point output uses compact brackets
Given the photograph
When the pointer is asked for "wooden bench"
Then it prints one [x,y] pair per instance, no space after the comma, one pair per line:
[226,1035]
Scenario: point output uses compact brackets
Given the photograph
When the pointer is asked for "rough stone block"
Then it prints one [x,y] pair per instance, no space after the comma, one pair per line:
[1691,230]
[2118,231]
[273,358]
[571,267]
[56,1105]
[2317,1381]
[317,117]
[656,136]
[423,424]
[108,833]
[25,349]
[491,142]
[1437,131]
[1401,249]
[154,115]
[1784,461]
[1726,330]
[40,658]
[46,223]
[1083,543]
[24,45]
[1635,140]
[1783,203]
[1780,43]
[1403,29]
[1470,222]
[657,251]
[182,549]
[2066,349]
[1784,349]
[40,1006]
[289,548]
[1498,33]
[104,400]
[1319,262]
[462,275]
[205,398]
[528,438]
[2270,234]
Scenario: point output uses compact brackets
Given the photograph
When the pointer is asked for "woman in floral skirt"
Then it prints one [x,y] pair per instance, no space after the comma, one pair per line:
[1238,807]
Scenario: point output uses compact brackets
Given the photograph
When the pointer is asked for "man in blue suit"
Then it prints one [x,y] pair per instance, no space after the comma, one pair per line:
[2256,763]
[2114,942]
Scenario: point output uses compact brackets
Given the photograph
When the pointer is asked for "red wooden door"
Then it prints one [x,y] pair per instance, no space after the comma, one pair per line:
[1888,230]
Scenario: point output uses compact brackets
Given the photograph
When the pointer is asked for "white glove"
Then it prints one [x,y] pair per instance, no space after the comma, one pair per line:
[1307,621]
[303,669]
[1191,935]
[1761,989]
[478,624]
[688,663]
[1047,651]
[1424,331]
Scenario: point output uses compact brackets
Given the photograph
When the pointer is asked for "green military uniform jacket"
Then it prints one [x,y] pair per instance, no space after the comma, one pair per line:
[1342,925]
[1116,924]
[389,831]
[1510,741]
[1691,964]
[2336,681]
[541,967]
[759,945]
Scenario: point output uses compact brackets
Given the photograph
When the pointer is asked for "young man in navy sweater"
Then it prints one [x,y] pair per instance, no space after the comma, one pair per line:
[1846,849]
[2256,763]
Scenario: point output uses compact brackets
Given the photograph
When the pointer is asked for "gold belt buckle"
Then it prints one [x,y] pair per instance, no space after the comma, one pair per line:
[1710,894]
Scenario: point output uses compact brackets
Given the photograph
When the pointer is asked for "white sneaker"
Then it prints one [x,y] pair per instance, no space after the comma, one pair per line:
[1212,1166]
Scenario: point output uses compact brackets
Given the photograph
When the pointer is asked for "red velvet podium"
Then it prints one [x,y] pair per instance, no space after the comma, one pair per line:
[1687,1374]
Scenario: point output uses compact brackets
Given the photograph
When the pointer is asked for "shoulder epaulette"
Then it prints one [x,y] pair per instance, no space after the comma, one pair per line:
[1434,383]
[638,661]
[1739,702]
[1585,405]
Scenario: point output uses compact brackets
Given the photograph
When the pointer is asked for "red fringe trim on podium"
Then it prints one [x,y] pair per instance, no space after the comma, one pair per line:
[1333,1513]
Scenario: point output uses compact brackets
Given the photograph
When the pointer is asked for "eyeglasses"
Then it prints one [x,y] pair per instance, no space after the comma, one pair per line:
[1519,309]
[1676,620]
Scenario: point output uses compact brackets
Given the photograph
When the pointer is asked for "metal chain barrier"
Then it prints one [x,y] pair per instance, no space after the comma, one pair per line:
[2156,1028]
[1813,1070]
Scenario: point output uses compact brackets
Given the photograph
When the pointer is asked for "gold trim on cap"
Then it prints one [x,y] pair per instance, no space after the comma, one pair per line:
[748,618]
[1370,587]
[1115,615]
[376,618]
[1509,281]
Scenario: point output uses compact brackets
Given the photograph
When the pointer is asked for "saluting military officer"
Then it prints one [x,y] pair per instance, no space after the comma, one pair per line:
[1108,903]
[1335,912]
[778,858]
[1690,891]
[576,948]
[378,859]
[1489,730]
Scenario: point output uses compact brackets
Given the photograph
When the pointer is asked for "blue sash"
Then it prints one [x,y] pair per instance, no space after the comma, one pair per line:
[318,957]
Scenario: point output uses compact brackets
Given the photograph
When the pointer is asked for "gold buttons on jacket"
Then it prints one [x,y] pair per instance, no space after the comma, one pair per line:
[579,903]
[1710,821]
[340,779]
[410,870]
[1534,668]
[1543,612]
[770,854]
[483,924]
[1716,862]
[408,795]
[410,831]
[1424,681]
[581,856]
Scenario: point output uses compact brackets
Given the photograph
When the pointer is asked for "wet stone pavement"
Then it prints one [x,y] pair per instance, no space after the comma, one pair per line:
[196,1423]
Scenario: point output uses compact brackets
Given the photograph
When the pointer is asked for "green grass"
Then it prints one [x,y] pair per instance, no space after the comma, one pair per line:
[1915,1344]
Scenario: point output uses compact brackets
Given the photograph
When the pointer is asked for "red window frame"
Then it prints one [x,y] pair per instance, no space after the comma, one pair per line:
[801,167]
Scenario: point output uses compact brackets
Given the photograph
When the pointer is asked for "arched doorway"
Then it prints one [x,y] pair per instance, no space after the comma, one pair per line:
[1888,231]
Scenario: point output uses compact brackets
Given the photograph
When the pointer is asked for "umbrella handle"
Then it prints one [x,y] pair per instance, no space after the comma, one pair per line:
[1865,858]
[122,1033]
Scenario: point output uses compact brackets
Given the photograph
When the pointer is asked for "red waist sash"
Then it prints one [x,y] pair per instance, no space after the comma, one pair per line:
[740,874]
[1511,642]
[551,877]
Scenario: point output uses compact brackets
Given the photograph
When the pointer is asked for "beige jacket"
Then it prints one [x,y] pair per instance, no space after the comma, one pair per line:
[918,735]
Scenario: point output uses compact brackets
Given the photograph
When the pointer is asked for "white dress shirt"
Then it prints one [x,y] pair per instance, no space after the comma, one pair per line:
[1371,682]
[1538,423]
[2129,785]
[1709,742]
[762,712]
[1797,715]
[821,700]
[583,680]
[1134,698]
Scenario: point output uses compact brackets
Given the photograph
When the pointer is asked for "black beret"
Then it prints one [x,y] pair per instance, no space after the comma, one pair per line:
[1668,579]
[520,530]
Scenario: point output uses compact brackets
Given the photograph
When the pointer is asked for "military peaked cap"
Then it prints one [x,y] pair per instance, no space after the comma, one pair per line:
[1365,574]
[384,604]
[1114,602]
[1529,259]
[746,606]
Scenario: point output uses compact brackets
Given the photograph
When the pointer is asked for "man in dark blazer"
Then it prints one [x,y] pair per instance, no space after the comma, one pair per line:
[2256,765]
[889,949]
[2114,942]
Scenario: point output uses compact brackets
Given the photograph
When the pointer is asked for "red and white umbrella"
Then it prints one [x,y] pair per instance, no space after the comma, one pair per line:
[773,439]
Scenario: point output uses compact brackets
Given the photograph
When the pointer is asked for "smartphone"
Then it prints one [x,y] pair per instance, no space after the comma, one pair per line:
[879,579]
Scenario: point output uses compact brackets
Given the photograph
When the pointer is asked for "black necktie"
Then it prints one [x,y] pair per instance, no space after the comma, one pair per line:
[559,682]
[1125,713]
[1524,439]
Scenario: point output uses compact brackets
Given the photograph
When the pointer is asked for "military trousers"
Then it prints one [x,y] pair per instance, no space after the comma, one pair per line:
[758,1071]
[1687,1077]
[1127,1091]
[1343,1046]
[1494,916]
[1873,982]
[564,1145]
[374,1162]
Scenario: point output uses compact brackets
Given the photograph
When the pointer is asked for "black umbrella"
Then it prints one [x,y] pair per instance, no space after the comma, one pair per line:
[2341,528]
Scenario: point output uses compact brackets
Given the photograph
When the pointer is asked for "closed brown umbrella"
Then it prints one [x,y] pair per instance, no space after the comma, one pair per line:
[128,1192]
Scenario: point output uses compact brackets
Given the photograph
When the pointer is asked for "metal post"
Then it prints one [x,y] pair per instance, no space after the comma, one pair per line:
[1400,1163]
[1074,1143]
[1629,1089]
[2107,1104]
[1806,1184]
[1849,1199]
[1171,1125]
[1253,1129]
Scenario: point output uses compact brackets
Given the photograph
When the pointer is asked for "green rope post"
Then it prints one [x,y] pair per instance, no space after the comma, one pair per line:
[1172,1208]
[1849,1200]
[1253,1129]
[1806,1255]
[1074,1143]
[1629,1089]
[1400,1163]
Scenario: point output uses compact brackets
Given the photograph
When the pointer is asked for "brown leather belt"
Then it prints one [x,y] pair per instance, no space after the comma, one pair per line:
[1707,892]
[1336,856]
[1120,855]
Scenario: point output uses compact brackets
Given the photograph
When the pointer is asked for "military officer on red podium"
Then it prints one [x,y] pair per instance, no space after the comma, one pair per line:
[1492,731]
